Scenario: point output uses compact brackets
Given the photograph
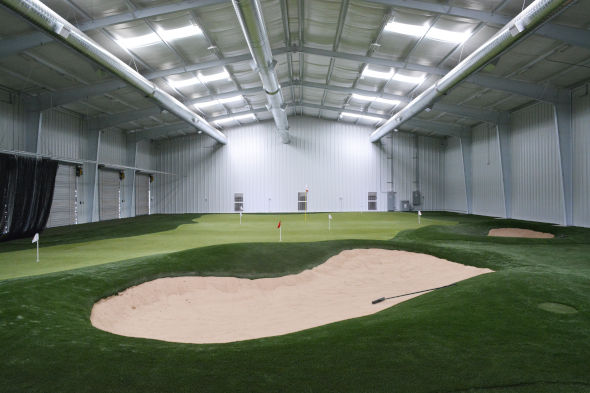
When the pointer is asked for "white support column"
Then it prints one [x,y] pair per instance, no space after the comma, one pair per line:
[503,132]
[94,208]
[129,194]
[563,129]
[39,133]
[465,141]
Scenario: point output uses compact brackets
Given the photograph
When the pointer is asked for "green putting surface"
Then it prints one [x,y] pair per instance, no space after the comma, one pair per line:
[486,334]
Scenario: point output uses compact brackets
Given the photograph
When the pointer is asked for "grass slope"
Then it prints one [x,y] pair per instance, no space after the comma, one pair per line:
[484,335]
[117,240]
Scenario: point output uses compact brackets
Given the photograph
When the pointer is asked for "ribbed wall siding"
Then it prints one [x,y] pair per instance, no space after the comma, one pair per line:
[486,171]
[11,125]
[454,177]
[536,179]
[60,135]
[335,160]
[113,148]
[144,155]
[431,173]
[581,158]
[404,166]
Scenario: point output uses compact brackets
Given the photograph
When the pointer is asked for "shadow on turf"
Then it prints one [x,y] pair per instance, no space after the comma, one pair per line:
[135,226]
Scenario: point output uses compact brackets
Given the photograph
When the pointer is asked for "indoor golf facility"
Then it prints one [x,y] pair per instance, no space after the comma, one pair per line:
[295,196]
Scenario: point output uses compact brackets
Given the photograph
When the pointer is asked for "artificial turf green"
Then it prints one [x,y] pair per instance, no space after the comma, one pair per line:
[486,334]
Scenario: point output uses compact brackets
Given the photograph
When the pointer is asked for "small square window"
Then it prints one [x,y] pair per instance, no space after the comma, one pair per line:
[302,201]
[238,202]
[372,201]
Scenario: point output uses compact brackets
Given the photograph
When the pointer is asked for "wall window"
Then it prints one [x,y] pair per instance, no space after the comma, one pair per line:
[301,201]
[372,201]
[238,202]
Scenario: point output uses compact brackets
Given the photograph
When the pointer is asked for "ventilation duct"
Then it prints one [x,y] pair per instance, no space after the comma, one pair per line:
[249,14]
[49,21]
[539,12]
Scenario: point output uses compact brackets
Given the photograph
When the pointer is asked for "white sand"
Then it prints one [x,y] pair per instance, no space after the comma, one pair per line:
[518,232]
[226,309]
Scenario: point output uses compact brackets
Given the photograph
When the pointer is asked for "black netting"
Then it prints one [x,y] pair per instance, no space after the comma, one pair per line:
[26,193]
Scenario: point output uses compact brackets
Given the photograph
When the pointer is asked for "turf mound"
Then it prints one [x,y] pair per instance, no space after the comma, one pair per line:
[227,309]
[519,232]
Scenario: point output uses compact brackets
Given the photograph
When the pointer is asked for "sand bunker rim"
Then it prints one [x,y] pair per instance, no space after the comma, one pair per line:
[519,232]
[208,309]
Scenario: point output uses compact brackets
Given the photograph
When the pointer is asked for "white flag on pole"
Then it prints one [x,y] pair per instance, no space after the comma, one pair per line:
[329,216]
[35,238]
[419,212]
[240,214]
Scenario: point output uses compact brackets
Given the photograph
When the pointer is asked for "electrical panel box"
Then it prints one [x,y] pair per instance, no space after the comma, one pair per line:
[416,198]
[405,206]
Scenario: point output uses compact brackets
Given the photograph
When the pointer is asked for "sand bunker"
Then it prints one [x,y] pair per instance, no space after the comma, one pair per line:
[518,232]
[226,309]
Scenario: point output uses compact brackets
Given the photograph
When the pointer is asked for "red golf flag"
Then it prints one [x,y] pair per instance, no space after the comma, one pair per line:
[278,226]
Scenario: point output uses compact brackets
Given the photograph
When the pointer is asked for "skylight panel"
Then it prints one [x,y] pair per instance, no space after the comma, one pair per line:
[220,101]
[139,41]
[178,84]
[407,29]
[214,77]
[359,116]
[247,116]
[362,97]
[409,79]
[181,32]
[368,73]
[454,37]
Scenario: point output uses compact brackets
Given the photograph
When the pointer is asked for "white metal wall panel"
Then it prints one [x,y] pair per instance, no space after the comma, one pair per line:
[113,148]
[431,175]
[454,177]
[11,126]
[144,155]
[335,159]
[581,158]
[142,187]
[60,134]
[486,171]
[404,166]
[536,180]
[108,194]
[64,197]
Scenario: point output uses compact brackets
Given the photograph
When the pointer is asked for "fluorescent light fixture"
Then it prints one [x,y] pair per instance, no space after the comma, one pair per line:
[153,38]
[140,41]
[432,34]
[214,77]
[359,116]
[178,84]
[181,32]
[220,101]
[406,29]
[377,74]
[361,97]
[409,79]
[454,37]
[249,116]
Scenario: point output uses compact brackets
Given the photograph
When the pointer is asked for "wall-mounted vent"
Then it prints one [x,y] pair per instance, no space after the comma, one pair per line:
[302,201]
[372,199]
[238,202]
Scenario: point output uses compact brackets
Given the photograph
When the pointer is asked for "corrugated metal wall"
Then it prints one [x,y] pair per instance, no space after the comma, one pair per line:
[145,153]
[581,158]
[336,160]
[486,171]
[11,123]
[60,135]
[404,167]
[454,177]
[431,172]
[113,148]
[536,179]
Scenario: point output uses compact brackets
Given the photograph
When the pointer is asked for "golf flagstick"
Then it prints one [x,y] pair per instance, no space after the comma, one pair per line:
[240,218]
[36,240]
[419,215]
[329,222]
[280,232]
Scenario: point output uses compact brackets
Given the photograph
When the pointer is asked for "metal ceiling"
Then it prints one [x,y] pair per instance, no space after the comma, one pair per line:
[321,47]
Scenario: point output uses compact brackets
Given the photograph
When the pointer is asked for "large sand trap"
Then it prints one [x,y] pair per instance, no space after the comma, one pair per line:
[518,232]
[226,309]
